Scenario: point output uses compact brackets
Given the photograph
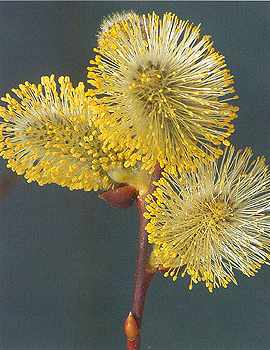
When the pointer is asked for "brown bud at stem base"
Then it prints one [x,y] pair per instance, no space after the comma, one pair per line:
[131,328]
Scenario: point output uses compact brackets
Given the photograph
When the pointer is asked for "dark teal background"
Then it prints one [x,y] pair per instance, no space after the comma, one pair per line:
[67,260]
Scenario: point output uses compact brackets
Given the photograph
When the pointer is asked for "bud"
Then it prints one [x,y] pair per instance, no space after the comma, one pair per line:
[131,328]
[121,197]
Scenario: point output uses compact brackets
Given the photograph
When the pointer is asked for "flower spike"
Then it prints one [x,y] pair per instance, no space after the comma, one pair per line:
[160,90]
[51,138]
[212,220]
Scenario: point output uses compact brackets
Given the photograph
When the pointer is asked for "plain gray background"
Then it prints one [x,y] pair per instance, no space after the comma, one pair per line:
[67,259]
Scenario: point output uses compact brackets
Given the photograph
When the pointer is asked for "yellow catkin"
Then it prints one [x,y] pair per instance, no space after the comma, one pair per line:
[49,136]
[212,220]
[164,88]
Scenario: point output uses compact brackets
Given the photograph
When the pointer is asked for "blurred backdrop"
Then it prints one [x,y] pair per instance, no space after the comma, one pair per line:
[67,260]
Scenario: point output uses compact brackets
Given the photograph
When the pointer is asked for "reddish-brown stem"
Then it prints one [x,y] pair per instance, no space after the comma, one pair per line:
[144,272]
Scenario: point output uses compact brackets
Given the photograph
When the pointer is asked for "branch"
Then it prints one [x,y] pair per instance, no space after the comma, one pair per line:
[144,273]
